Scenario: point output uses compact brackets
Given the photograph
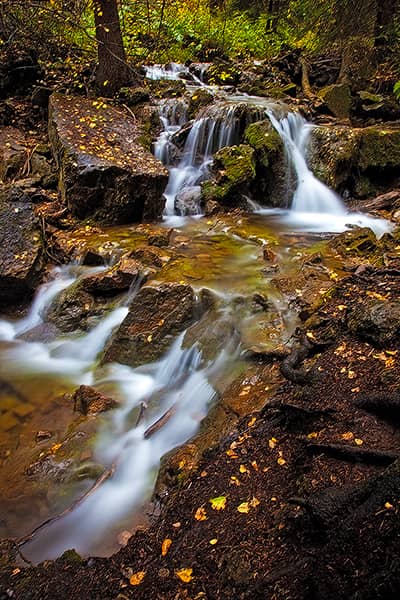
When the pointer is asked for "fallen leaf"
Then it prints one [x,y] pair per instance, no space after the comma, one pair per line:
[272,443]
[243,469]
[281,461]
[184,575]
[235,480]
[218,503]
[149,338]
[388,505]
[348,435]
[165,546]
[137,578]
[200,514]
[243,508]
[312,435]
[358,441]
[213,541]
[251,422]
[254,502]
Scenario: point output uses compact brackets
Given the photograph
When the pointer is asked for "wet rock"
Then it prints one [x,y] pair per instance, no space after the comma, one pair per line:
[113,281]
[376,106]
[379,148]
[92,258]
[223,73]
[148,256]
[212,334]
[21,247]
[360,242]
[375,321]
[89,401]
[13,153]
[233,170]
[105,173]
[337,98]
[73,308]
[199,99]
[156,315]
[40,96]
[188,201]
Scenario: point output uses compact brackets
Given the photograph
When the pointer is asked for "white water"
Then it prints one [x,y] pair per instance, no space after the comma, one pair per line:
[314,207]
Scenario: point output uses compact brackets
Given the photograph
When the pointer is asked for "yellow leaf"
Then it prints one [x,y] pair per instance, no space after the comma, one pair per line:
[213,541]
[347,436]
[245,391]
[243,469]
[310,335]
[388,505]
[272,443]
[218,503]
[232,454]
[358,442]
[243,508]
[137,578]
[235,480]
[251,422]
[149,338]
[281,461]
[184,575]
[312,435]
[342,307]
[165,546]
[375,295]
[200,514]
[254,502]
[351,374]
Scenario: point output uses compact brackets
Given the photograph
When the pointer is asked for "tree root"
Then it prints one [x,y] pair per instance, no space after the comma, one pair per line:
[354,453]
[385,404]
[290,365]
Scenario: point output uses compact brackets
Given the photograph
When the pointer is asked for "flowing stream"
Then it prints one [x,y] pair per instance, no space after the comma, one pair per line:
[50,456]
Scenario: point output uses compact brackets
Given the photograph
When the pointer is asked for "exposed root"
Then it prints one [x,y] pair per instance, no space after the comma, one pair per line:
[354,453]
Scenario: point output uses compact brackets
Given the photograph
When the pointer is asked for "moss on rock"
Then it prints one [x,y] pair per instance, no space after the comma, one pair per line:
[379,148]
[199,99]
[263,138]
[233,168]
[337,98]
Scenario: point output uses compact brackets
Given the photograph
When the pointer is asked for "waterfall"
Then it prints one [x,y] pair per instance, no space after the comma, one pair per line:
[314,207]
[171,71]
[217,126]
[173,114]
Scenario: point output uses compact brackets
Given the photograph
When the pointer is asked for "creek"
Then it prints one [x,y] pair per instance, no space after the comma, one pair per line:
[51,457]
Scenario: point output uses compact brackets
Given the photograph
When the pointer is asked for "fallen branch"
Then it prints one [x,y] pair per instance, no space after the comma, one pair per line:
[354,454]
[103,477]
[160,422]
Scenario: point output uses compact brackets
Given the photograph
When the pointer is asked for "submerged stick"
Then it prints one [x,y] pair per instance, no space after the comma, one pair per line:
[160,422]
[103,477]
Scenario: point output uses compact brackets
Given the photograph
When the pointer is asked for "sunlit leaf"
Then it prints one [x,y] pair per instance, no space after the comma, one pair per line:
[165,546]
[243,508]
[200,514]
[137,578]
[218,503]
[184,575]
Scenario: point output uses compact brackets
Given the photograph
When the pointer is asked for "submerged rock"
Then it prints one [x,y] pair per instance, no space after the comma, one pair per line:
[21,247]
[156,315]
[105,173]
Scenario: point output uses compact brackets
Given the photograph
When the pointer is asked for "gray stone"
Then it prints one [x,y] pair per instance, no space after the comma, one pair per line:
[188,201]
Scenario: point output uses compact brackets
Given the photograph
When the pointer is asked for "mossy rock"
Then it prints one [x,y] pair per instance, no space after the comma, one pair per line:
[233,168]
[263,138]
[199,99]
[379,148]
[132,96]
[166,88]
[223,74]
[337,98]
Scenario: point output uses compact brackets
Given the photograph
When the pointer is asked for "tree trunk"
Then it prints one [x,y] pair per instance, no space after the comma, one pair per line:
[112,72]
[384,29]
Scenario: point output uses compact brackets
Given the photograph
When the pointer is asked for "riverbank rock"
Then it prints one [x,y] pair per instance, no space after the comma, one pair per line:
[200,98]
[104,172]
[156,316]
[357,162]
[21,247]
[233,170]
[337,98]
[113,281]
[89,401]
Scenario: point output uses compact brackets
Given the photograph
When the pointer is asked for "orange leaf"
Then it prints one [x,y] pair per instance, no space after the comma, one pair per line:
[165,546]
[137,578]
[184,575]
[200,514]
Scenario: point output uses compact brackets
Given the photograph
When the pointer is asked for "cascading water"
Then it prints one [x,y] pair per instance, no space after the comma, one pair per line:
[314,207]
[217,126]
[173,114]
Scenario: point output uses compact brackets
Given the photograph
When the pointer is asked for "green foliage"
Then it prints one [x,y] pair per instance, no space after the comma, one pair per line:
[396,90]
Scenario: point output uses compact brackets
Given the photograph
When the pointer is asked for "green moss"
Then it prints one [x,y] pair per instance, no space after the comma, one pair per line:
[379,148]
[166,88]
[337,98]
[263,138]
[234,167]
[223,74]
[199,99]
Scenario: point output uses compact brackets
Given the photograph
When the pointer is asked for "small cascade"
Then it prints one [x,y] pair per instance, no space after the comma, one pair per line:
[176,389]
[217,126]
[173,114]
[314,207]
[169,71]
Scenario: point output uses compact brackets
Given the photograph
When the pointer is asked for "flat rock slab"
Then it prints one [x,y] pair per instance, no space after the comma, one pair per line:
[104,171]
[21,248]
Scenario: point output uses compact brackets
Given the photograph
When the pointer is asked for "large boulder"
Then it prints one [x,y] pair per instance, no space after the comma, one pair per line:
[156,316]
[376,321]
[21,247]
[337,98]
[104,172]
